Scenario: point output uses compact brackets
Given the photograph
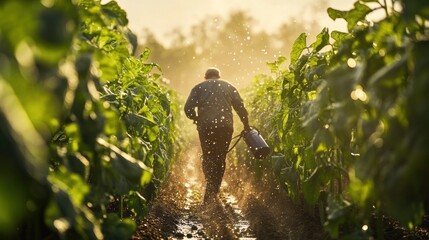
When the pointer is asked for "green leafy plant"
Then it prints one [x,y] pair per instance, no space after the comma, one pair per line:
[86,128]
[350,122]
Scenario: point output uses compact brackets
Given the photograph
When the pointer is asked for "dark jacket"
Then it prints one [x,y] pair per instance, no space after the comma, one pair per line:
[214,99]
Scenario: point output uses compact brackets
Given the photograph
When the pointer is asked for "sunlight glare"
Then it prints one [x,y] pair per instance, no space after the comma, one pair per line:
[62,225]
[351,63]
[359,94]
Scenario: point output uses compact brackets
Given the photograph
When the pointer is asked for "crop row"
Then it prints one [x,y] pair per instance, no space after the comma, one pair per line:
[347,119]
[86,128]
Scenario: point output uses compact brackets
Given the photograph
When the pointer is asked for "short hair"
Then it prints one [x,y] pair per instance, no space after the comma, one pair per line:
[212,72]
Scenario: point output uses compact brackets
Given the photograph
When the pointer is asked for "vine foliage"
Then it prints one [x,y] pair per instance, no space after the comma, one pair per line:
[86,128]
[349,126]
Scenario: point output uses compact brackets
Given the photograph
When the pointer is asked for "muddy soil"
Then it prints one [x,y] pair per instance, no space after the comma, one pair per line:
[246,209]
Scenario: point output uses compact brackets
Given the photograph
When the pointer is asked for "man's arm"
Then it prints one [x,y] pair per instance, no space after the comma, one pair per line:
[191,104]
[238,105]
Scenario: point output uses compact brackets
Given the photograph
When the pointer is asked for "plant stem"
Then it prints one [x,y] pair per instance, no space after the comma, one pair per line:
[385,8]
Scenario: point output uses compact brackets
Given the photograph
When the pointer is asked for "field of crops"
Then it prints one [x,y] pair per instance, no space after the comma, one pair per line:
[348,119]
[89,130]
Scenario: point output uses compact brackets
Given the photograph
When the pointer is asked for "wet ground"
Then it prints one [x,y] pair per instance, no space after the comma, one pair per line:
[220,219]
[245,209]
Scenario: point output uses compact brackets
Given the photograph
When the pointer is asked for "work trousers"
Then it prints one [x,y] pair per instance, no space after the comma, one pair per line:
[214,144]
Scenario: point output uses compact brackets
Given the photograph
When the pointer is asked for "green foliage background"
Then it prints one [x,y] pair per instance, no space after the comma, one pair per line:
[347,119]
[86,129]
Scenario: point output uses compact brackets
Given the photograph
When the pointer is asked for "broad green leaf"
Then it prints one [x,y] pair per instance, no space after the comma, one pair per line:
[71,183]
[322,40]
[322,140]
[115,12]
[148,67]
[334,13]
[108,67]
[339,36]
[126,165]
[139,122]
[298,46]
[299,70]
[275,66]
[132,39]
[358,13]
[152,133]
[317,181]
[130,170]
[146,178]
[113,124]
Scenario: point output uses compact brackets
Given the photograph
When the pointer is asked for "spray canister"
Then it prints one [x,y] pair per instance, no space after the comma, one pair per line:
[256,144]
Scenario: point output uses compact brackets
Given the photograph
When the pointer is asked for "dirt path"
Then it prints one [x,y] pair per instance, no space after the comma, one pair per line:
[247,209]
[223,219]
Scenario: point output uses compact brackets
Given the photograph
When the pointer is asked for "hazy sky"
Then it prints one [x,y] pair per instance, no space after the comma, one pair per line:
[162,16]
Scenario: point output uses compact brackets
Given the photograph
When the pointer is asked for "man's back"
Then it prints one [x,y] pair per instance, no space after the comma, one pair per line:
[214,99]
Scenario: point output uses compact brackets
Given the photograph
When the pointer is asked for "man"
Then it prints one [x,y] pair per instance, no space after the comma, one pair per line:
[214,99]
